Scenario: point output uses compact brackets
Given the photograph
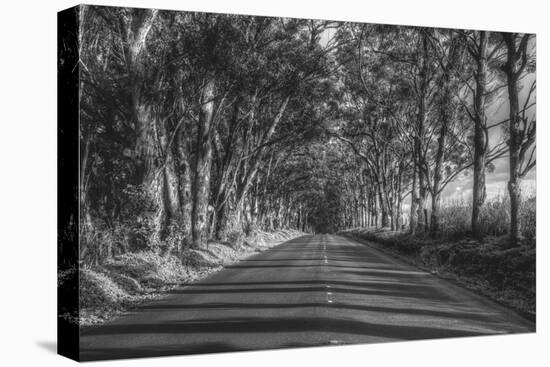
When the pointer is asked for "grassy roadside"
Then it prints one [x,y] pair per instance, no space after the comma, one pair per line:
[128,280]
[506,275]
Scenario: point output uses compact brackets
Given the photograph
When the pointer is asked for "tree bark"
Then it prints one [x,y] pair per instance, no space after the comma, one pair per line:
[446,116]
[513,71]
[414,204]
[168,185]
[480,136]
[203,161]
[254,163]
[135,35]
[513,183]
[420,120]
[185,185]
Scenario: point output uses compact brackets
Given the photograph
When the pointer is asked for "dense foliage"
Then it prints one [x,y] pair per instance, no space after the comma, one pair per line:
[197,126]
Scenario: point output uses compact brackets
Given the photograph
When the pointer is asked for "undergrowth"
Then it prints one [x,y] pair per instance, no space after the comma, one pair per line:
[456,217]
[488,266]
[129,279]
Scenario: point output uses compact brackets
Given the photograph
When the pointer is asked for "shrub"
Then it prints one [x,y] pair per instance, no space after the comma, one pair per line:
[505,274]
[250,229]
[236,239]
[128,284]
[98,290]
[125,280]
[528,217]
[148,268]
[456,217]
[495,216]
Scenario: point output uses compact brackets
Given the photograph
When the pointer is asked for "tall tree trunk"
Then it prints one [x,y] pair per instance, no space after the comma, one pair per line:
[480,137]
[514,183]
[383,206]
[422,199]
[400,220]
[223,191]
[376,212]
[146,152]
[436,207]
[168,185]
[414,204]
[446,116]
[203,162]
[185,193]
[420,120]
[514,143]
[398,213]
[220,230]
[137,28]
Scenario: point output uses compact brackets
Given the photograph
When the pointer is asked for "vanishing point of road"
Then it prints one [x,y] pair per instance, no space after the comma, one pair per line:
[313,290]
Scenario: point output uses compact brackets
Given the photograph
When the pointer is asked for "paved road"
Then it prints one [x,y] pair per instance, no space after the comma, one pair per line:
[313,290]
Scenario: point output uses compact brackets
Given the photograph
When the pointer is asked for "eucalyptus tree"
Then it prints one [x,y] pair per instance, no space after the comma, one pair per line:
[283,73]
[449,149]
[373,108]
[118,120]
[482,85]
[397,68]
[521,129]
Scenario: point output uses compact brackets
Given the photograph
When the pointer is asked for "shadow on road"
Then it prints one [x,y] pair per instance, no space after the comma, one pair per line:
[94,354]
[333,306]
[285,325]
[280,293]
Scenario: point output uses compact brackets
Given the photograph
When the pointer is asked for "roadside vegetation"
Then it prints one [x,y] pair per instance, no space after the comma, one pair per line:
[127,280]
[489,266]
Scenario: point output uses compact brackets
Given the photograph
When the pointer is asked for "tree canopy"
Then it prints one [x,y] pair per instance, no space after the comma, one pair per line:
[197,125]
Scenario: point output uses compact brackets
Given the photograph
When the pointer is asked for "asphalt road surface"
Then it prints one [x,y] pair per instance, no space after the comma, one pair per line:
[310,291]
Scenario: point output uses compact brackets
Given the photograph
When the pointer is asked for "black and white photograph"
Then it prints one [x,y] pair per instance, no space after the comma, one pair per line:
[287,183]
[249,182]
